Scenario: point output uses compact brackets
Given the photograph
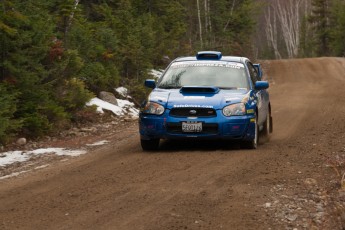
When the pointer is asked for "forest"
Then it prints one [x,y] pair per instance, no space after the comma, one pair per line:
[58,54]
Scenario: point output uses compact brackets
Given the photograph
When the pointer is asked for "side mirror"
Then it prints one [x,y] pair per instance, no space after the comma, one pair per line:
[150,83]
[259,85]
[259,70]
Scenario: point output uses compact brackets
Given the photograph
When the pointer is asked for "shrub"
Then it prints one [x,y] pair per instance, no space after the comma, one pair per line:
[8,106]
[75,95]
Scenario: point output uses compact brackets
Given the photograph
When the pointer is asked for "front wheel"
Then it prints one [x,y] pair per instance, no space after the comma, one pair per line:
[253,144]
[149,145]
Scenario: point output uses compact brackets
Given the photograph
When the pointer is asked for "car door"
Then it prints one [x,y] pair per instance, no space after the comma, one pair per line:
[262,105]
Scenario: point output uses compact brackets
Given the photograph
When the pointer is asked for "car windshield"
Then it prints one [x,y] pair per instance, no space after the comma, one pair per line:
[225,75]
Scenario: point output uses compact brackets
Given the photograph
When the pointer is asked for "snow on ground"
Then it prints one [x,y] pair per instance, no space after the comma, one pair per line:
[7,158]
[124,107]
[98,143]
[11,157]
[122,91]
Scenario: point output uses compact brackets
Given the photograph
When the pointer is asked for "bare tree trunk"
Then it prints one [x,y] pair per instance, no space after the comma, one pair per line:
[231,12]
[288,14]
[206,16]
[209,16]
[200,25]
[271,33]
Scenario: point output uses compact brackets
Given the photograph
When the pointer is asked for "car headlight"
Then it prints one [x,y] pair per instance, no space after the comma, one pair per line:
[153,108]
[234,110]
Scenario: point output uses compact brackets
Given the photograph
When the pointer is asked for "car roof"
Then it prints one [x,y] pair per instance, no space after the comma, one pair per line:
[223,58]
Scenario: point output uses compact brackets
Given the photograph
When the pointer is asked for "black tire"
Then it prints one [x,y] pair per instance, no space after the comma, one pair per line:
[267,128]
[149,145]
[253,144]
[271,120]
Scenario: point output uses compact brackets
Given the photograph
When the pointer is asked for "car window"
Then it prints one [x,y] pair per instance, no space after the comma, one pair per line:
[253,74]
[219,74]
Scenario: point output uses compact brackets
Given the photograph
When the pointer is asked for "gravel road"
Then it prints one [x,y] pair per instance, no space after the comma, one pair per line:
[290,182]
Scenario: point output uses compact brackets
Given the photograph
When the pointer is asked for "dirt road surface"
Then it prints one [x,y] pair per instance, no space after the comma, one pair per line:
[287,183]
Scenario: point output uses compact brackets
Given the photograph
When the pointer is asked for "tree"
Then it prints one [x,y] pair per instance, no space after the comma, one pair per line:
[320,20]
[53,53]
[284,21]
[337,29]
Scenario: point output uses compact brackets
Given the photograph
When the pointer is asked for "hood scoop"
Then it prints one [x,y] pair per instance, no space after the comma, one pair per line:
[199,89]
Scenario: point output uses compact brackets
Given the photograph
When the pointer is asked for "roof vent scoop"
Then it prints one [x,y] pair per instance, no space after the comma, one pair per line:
[209,55]
[199,89]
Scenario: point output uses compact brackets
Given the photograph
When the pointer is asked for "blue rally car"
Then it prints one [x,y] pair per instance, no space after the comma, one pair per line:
[209,96]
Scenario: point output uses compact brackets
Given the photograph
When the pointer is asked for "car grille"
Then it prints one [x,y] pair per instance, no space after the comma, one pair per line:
[176,128]
[193,112]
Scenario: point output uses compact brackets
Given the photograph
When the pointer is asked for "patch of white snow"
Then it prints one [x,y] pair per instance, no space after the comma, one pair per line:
[119,110]
[13,174]
[20,156]
[11,157]
[122,91]
[98,143]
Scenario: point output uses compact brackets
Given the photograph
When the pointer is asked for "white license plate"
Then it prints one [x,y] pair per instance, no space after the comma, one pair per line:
[191,127]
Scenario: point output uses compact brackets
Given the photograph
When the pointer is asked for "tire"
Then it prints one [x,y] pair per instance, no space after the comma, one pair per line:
[253,144]
[267,128]
[271,127]
[149,145]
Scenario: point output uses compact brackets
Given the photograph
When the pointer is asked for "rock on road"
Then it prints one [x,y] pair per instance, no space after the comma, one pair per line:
[284,184]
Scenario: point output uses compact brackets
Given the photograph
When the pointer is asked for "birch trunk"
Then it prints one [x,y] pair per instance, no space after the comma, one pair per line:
[288,13]
[206,16]
[271,33]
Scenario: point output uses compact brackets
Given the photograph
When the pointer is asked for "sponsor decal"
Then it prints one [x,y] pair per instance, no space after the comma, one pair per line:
[250,111]
[193,106]
[252,120]
[225,65]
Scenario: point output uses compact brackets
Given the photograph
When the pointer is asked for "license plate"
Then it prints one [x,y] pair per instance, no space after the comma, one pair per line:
[191,127]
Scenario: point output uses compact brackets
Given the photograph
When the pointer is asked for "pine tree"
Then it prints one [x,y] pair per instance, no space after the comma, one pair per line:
[320,19]
[337,30]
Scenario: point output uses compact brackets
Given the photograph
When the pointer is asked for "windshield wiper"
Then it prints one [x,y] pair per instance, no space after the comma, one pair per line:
[169,87]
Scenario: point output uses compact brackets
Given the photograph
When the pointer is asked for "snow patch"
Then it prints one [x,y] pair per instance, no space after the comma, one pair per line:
[59,152]
[13,175]
[124,107]
[122,91]
[11,157]
[98,143]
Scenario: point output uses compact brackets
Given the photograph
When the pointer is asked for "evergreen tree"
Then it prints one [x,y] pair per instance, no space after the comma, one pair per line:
[337,30]
[53,53]
[320,21]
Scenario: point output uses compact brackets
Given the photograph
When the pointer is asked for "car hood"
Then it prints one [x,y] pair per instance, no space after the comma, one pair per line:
[176,98]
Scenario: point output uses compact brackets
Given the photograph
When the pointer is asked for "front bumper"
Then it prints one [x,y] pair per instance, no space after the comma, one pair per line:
[218,127]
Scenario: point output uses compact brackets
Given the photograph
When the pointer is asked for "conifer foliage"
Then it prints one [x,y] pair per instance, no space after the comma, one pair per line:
[57,54]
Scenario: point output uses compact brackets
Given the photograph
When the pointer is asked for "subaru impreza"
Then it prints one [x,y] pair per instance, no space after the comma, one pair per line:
[207,96]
